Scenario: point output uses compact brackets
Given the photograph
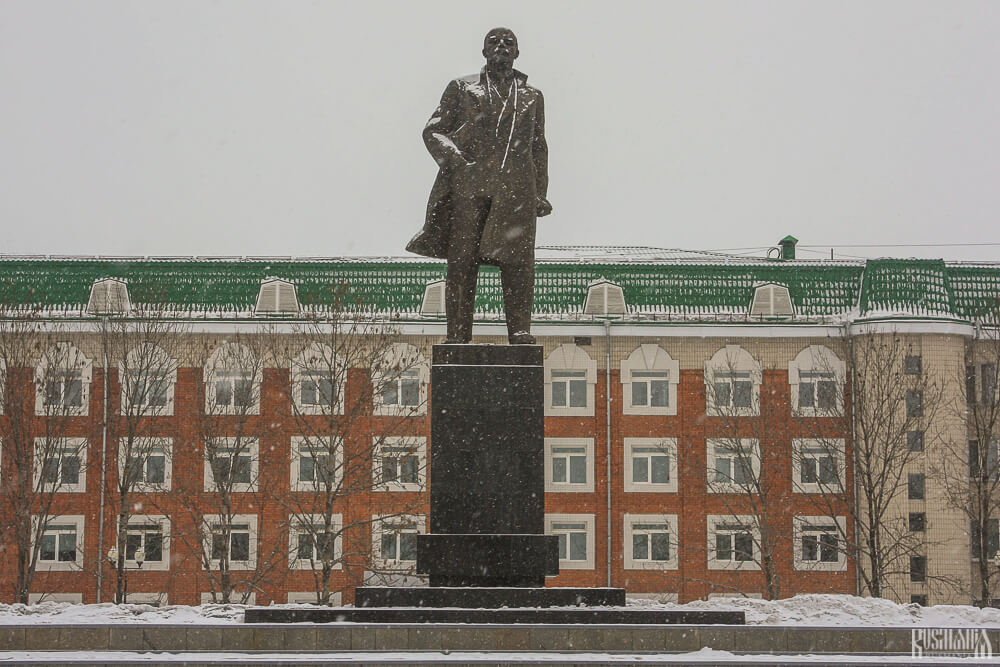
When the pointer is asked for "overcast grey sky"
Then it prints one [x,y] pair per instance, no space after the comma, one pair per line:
[293,128]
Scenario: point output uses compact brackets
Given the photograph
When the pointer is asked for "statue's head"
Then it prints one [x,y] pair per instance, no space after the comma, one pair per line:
[500,47]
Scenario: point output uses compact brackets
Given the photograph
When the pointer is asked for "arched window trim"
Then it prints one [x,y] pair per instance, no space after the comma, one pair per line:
[569,357]
[732,359]
[232,357]
[147,356]
[817,359]
[63,358]
[649,357]
[412,360]
[318,358]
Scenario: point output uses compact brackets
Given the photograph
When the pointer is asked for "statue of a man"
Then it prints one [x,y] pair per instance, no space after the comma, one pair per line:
[488,138]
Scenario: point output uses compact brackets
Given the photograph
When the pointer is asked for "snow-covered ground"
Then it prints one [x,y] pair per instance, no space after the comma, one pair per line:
[809,610]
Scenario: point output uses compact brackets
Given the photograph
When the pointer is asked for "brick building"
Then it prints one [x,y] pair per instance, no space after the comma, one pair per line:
[700,421]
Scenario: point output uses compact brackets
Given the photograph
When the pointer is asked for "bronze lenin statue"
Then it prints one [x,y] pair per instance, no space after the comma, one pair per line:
[488,138]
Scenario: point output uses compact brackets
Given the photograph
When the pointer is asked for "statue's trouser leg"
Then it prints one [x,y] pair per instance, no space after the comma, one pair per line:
[463,265]
[518,289]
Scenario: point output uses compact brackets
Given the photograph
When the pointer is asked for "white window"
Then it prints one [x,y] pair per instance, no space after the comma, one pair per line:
[732,383]
[316,462]
[236,541]
[236,597]
[569,464]
[148,376]
[109,296]
[60,464]
[151,533]
[309,597]
[312,542]
[576,539]
[770,300]
[816,377]
[231,463]
[605,298]
[69,598]
[148,464]
[232,381]
[570,376]
[733,464]
[400,464]
[733,543]
[317,381]
[651,541]
[394,541]
[818,543]
[818,465]
[60,546]
[152,599]
[277,297]
[649,382]
[62,381]
[432,304]
[400,381]
[651,465]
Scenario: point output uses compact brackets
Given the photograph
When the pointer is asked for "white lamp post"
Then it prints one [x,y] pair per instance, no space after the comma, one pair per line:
[139,557]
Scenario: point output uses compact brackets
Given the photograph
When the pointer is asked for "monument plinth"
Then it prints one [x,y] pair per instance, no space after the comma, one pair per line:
[486,546]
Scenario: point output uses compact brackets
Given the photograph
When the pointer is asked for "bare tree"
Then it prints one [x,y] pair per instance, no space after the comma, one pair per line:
[359,457]
[45,381]
[891,400]
[145,351]
[969,470]
[740,468]
[223,507]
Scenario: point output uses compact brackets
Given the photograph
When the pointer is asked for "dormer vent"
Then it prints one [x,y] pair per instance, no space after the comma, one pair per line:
[433,303]
[277,297]
[109,296]
[771,301]
[605,298]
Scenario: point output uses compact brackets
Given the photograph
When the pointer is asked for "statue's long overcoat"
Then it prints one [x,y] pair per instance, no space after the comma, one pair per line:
[505,143]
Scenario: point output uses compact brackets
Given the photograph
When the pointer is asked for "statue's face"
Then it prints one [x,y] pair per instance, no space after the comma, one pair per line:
[500,46]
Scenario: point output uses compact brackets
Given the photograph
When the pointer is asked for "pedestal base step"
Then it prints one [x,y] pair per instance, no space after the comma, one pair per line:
[569,615]
[486,598]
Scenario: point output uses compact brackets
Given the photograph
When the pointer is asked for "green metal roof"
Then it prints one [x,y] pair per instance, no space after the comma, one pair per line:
[676,289]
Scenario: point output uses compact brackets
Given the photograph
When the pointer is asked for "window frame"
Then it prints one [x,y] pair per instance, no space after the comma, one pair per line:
[166,368]
[711,447]
[300,444]
[589,525]
[646,358]
[416,444]
[833,525]
[551,444]
[232,360]
[147,520]
[570,357]
[63,359]
[668,446]
[714,523]
[726,361]
[397,355]
[815,359]
[210,521]
[630,521]
[296,522]
[164,445]
[78,446]
[406,523]
[318,360]
[78,521]
[252,446]
[832,445]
